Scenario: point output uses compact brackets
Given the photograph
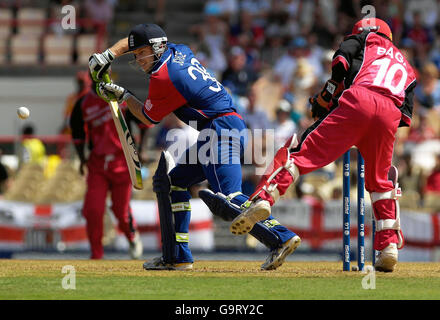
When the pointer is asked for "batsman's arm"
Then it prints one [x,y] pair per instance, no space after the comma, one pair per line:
[136,106]
[119,48]
[111,91]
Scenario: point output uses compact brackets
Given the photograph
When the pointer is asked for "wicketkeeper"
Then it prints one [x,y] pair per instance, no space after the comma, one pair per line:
[369,95]
[180,84]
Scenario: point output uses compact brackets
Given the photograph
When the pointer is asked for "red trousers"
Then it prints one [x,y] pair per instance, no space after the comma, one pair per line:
[107,173]
[364,119]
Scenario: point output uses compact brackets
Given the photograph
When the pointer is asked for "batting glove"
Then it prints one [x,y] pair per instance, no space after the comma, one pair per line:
[111,91]
[99,63]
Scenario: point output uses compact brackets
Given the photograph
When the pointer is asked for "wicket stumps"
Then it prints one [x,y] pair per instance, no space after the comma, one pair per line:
[360,212]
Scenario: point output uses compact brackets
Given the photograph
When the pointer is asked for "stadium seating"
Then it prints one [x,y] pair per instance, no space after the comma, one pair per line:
[31,21]
[32,32]
[86,46]
[3,50]
[58,49]
[25,49]
[5,23]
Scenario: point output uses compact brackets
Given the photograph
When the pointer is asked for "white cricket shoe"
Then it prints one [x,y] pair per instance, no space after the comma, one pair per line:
[258,211]
[387,259]
[159,264]
[277,256]
[136,249]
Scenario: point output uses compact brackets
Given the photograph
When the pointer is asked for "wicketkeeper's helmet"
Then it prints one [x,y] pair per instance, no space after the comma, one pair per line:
[373,25]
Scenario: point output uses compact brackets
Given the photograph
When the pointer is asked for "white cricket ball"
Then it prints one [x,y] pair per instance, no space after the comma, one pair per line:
[23,112]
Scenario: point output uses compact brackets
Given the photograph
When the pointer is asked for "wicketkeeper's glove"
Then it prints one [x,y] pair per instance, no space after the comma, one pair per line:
[320,102]
[99,64]
[111,91]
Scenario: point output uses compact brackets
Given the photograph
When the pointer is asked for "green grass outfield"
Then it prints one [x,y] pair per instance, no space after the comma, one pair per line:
[212,280]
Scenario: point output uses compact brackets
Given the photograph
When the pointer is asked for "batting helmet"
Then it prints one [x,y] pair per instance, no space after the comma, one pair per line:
[373,25]
[147,34]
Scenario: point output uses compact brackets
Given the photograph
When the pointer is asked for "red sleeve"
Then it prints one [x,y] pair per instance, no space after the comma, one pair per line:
[163,97]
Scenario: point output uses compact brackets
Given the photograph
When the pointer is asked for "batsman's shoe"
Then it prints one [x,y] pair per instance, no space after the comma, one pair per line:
[136,249]
[184,266]
[387,259]
[159,264]
[277,256]
[155,264]
[257,211]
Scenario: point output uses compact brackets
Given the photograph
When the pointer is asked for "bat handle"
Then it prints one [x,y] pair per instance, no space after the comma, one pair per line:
[106,78]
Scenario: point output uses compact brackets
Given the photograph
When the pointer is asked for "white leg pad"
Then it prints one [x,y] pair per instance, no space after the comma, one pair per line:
[389,224]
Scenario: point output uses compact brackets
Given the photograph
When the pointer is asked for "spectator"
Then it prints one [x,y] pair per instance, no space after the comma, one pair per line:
[421,130]
[428,91]
[257,9]
[227,8]
[254,115]
[212,33]
[327,58]
[426,9]
[433,179]
[275,35]
[158,7]
[323,29]
[304,79]
[246,33]
[238,76]
[410,179]
[101,12]
[283,126]
[420,36]
[285,67]
[33,149]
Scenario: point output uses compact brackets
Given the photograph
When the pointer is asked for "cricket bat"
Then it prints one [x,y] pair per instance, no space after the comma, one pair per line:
[127,142]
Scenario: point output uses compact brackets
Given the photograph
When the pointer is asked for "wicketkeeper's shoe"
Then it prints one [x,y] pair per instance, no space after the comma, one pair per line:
[136,248]
[159,264]
[277,256]
[258,211]
[387,259]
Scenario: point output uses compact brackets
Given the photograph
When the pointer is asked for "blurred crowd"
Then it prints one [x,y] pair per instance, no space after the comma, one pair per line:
[272,55]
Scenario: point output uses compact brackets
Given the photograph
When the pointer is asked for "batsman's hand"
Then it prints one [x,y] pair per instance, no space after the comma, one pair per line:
[111,91]
[99,64]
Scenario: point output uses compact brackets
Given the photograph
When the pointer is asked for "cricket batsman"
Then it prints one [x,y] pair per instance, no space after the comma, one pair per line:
[91,121]
[180,84]
[369,95]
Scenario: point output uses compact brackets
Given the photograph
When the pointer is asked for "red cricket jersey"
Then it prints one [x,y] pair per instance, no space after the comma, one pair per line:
[372,61]
[99,125]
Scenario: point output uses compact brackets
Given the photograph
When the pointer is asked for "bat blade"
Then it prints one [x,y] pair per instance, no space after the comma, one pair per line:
[128,146]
